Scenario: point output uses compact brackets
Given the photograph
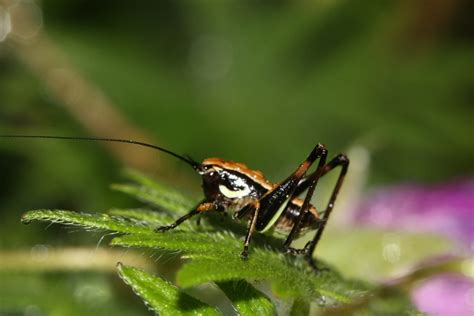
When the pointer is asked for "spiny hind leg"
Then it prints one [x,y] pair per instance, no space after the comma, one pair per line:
[310,184]
[343,162]
[263,210]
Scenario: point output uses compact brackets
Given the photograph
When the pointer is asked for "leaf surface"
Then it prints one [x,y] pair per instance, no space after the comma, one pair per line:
[161,296]
[247,300]
[88,221]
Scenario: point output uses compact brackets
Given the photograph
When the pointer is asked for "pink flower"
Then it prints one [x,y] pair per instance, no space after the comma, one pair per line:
[447,295]
[446,208]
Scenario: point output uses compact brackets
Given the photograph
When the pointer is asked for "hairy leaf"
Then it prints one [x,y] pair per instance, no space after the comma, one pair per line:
[247,300]
[290,278]
[204,244]
[161,296]
[152,218]
[216,258]
[87,220]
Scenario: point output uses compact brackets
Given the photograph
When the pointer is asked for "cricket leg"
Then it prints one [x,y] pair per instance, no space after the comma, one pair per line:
[201,207]
[343,162]
[305,207]
[271,202]
[254,209]
[267,207]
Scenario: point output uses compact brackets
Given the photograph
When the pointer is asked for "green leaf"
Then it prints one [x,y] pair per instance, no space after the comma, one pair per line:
[147,216]
[290,277]
[148,191]
[300,308]
[215,254]
[202,244]
[161,296]
[89,221]
[246,299]
[216,257]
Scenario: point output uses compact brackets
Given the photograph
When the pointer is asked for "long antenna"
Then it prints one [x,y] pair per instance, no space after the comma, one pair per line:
[188,160]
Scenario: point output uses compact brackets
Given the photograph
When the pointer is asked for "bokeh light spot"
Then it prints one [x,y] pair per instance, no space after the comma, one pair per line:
[391,250]
[91,294]
[26,20]
[5,24]
[39,253]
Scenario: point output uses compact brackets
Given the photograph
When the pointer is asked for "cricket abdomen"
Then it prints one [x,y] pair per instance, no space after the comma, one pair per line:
[289,217]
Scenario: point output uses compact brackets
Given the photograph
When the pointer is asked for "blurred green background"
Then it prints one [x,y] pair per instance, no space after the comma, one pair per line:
[259,82]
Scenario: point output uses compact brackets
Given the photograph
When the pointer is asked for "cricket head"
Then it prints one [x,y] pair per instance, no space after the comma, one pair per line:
[231,184]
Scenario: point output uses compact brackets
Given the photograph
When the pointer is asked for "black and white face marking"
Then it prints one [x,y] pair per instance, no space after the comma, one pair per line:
[229,185]
[240,190]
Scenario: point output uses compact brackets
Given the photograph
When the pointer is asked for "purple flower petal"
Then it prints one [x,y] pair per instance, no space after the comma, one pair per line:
[451,295]
[446,208]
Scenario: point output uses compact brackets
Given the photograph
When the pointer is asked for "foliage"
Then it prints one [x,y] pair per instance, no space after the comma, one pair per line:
[210,254]
[161,296]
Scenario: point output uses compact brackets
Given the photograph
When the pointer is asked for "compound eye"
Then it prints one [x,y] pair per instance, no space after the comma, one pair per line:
[211,172]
